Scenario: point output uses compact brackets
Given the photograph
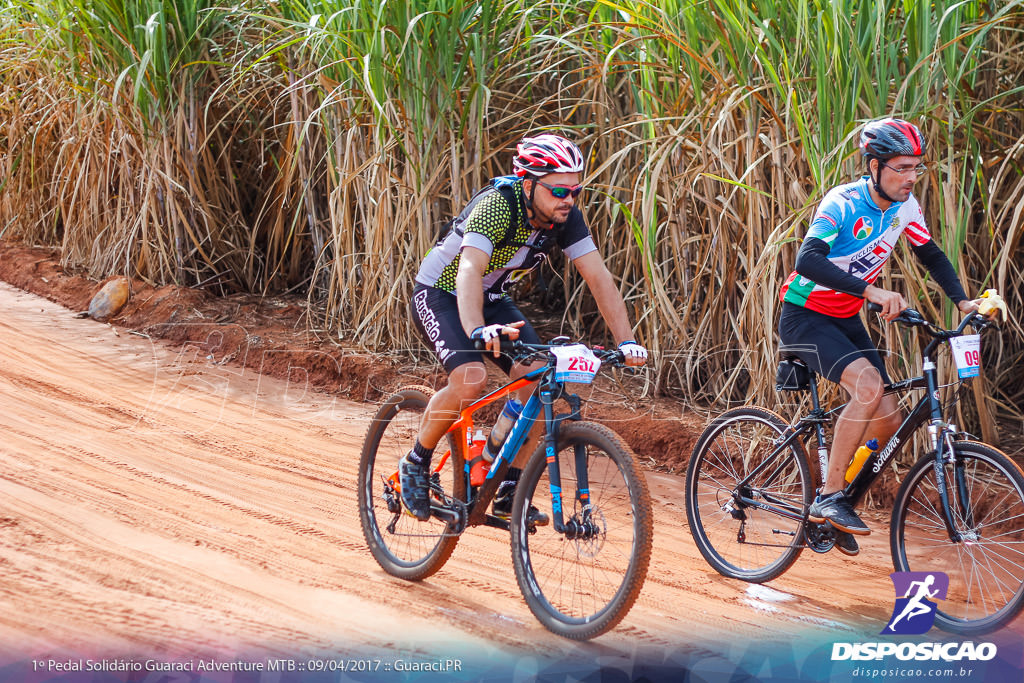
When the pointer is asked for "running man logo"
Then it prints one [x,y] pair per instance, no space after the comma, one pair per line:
[914,612]
[862,229]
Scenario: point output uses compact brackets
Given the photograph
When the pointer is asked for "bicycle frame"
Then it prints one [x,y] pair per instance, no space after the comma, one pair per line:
[940,434]
[927,410]
[544,398]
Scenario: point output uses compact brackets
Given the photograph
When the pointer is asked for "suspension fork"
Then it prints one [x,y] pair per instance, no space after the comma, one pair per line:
[961,489]
[547,399]
[548,394]
[580,457]
[945,454]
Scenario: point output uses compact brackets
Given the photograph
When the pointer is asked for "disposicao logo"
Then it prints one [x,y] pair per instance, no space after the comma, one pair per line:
[914,612]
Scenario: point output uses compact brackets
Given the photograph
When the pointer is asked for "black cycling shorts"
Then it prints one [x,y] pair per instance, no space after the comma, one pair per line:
[436,313]
[825,343]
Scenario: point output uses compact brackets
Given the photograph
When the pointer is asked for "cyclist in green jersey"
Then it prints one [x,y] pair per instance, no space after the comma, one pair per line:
[461,297]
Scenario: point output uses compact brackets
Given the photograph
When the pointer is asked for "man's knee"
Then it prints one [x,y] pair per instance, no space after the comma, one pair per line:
[469,381]
[864,383]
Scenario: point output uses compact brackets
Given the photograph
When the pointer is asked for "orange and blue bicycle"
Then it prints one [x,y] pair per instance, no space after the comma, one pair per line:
[581,574]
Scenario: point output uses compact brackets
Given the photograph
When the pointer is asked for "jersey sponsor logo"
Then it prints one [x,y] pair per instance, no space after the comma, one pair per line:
[442,352]
[870,259]
[431,325]
[862,228]
[526,268]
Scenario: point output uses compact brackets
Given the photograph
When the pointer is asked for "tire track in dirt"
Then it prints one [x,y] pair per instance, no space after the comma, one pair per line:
[78,550]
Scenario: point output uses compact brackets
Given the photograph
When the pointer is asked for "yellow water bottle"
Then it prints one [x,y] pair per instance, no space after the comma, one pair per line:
[862,454]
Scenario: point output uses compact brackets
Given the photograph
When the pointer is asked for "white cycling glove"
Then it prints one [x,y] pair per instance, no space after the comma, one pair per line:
[630,349]
[487,332]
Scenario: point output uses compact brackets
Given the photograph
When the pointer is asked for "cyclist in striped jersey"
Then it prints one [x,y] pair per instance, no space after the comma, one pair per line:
[852,235]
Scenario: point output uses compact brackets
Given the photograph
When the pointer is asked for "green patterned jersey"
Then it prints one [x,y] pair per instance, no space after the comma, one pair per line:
[494,225]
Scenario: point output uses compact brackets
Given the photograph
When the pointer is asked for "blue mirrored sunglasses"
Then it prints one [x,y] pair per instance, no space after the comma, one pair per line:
[562,191]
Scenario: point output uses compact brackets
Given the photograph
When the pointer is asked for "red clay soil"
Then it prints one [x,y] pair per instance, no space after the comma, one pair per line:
[271,335]
[159,502]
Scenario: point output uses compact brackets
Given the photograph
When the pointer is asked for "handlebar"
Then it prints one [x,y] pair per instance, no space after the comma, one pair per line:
[520,351]
[912,318]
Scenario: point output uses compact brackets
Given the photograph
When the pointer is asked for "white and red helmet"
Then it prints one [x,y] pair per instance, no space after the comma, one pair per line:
[543,154]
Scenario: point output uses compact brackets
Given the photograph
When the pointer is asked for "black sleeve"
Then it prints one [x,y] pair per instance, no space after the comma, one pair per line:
[812,262]
[934,259]
[573,230]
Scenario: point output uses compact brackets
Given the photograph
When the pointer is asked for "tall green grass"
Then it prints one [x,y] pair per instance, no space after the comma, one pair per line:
[319,145]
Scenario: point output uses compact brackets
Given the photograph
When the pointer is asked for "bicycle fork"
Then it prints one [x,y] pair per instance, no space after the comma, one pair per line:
[942,441]
[940,436]
[582,527]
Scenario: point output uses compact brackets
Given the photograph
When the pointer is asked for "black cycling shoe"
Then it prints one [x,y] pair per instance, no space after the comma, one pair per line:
[502,507]
[836,508]
[846,543]
[415,483]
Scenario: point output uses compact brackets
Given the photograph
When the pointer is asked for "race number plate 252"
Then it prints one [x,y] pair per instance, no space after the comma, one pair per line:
[575,363]
[967,355]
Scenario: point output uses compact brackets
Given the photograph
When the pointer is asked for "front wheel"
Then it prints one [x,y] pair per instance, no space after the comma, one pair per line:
[985,558]
[581,582]
[404,546]
[747,498]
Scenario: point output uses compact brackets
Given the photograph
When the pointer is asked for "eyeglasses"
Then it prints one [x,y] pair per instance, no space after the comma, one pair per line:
[562,191]
[918,170]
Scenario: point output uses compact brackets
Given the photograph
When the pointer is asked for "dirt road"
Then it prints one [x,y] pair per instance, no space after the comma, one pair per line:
[153,502]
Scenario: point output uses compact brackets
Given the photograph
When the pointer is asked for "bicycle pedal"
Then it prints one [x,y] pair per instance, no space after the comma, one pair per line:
[444,513]
[819,537]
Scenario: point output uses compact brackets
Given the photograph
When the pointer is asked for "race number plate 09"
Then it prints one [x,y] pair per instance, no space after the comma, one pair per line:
[967,355]
[575,363]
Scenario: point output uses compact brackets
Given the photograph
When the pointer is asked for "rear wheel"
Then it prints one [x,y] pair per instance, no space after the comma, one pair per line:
[581,582]
[985,563]
[732,472]
[404,546]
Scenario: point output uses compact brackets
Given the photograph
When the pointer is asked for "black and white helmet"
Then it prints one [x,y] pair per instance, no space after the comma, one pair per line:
[542,154]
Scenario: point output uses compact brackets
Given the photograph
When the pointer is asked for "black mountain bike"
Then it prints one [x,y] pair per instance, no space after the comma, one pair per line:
[959,510]
[579,576]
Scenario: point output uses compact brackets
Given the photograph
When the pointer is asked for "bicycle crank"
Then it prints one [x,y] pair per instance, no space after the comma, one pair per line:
[819,537]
